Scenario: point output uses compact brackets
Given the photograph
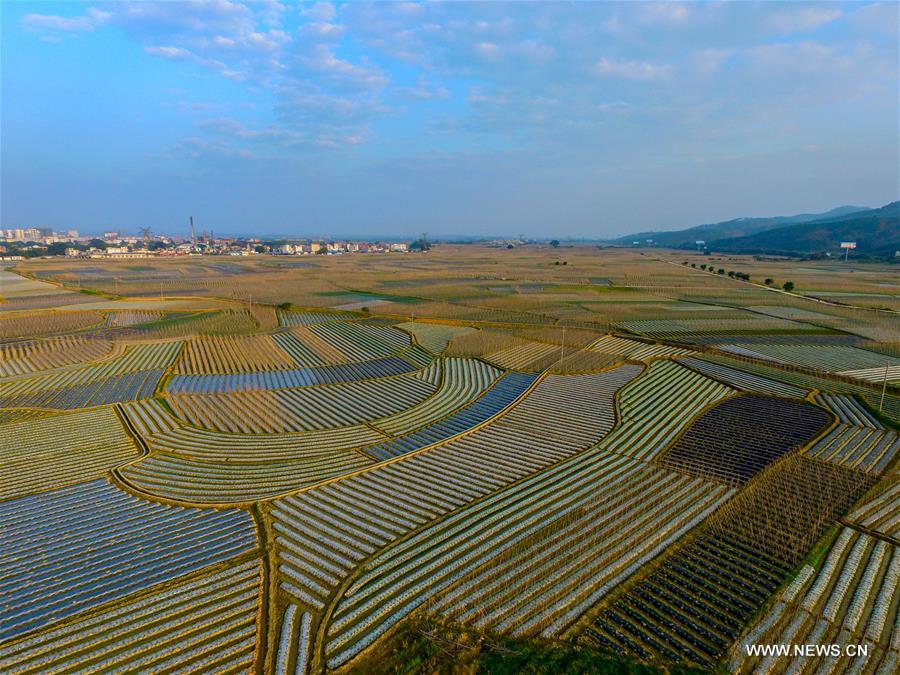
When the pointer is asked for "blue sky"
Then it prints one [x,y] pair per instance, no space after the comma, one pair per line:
[548,119]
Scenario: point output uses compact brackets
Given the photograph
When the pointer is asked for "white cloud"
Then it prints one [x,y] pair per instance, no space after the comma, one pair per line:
[321,30]
[424,90]
[672,13]
[181,54]
[343,73]
[86,23]
[174,53]
[803,18]
[488,51]
[322,11]
[631,69]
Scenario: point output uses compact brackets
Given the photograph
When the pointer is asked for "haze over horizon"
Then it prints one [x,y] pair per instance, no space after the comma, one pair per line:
[547,119]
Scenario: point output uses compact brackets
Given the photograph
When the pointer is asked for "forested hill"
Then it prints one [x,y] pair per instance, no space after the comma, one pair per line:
[876,232]
[738,227]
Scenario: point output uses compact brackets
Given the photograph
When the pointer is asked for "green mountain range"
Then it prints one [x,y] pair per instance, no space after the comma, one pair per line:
[875,231]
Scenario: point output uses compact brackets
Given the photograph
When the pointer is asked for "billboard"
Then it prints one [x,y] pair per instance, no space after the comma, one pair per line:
[848,244]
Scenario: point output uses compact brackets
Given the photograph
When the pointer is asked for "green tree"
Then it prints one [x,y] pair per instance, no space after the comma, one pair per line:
[788,286]
[722,270]
[554,243]
[769,281]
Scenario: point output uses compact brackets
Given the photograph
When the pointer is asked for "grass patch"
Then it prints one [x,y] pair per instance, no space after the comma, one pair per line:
[421,645]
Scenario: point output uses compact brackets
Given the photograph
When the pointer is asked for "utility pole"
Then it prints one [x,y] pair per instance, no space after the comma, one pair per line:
[562,349]
[193,238]
[883,386]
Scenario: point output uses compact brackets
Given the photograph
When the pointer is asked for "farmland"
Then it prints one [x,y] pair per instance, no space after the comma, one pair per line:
[477,453]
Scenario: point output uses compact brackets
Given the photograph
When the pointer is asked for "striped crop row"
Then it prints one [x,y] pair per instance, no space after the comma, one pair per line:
[851,599]
[294,642]
[848,410]
[361,342]
[307,349]
[206,622]
[832,358]
[861,448]
[879,374]
[434,336]
[116,389]
[133,317]
[283,379]
[521,356]
[508,388]
[148,417]
[498,561]
[47,453]
[891,403]
[881,512]
[663,328]
[293,318]
[743,380]
[370,509]
[691,605]
[72,549]
[657,406]
[47,323]
[461,381]
[240,448]
[35,355]
[304,408]
[141,357]
[737,438]
[224,482]
[232,354]
[633,349]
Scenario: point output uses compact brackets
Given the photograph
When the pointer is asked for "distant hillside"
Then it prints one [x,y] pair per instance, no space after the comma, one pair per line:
[876,232]
[739,227]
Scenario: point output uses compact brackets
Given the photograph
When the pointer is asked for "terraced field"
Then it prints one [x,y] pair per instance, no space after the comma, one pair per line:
[434,336]
[232,354]
[377,506]
[657,407]
[203,622]
[192,485]
[736,439]
[36,454]
[133,375]
[35,355]
[302,408]
[694,604]
[72,549]
[843,359]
